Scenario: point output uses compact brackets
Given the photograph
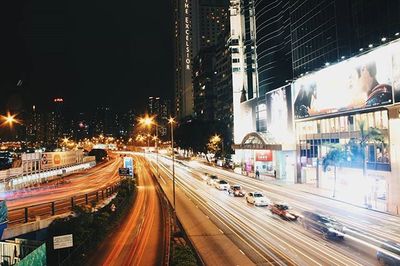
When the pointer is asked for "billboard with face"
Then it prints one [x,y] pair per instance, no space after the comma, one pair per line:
[360,82]
[396,76]
[279,112]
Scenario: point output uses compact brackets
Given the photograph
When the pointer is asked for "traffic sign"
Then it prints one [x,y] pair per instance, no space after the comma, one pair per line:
[124,171]
[128,163]
[64,241]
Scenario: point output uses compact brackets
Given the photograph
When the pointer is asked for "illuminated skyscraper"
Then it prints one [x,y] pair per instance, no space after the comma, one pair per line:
[197,24]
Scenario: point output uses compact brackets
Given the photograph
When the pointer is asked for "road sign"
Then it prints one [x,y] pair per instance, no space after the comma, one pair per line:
[128,163]
[64,241]
[124,172]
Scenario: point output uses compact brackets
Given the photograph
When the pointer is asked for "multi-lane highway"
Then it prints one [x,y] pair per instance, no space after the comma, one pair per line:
[140,238]
[265,237]
[76,185]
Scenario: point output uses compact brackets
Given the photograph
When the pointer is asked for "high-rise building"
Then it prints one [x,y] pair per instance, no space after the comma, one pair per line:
[327,31]
[273,49]
[213,20]
[204,84]
[103,122]
[80,126]
[165,109]
[153,107]
[35,132]
[223,80]
[197,25]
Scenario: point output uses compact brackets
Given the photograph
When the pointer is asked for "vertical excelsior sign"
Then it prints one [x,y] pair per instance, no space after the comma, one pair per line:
[187,35]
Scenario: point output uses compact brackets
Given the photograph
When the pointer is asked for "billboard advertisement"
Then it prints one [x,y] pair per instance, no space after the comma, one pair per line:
[279,113]
[396,76]
[360,82]
[58,159]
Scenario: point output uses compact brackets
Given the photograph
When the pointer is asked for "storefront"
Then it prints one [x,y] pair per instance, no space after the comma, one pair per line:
[259,152]
[348,105]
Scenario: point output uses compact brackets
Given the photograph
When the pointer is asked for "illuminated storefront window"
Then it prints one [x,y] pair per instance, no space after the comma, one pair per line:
[314,135]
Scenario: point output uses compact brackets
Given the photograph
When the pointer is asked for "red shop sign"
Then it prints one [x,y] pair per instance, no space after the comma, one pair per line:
[264,156]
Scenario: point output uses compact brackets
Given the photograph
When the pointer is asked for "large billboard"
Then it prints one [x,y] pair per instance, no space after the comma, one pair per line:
[396,76]
[279,113]
[360,82]
[59,159]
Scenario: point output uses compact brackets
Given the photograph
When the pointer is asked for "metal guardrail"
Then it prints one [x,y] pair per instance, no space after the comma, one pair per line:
[39,211]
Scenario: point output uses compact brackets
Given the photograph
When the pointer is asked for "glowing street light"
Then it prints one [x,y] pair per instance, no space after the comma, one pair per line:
[216,138]
[9,119]
[148,121]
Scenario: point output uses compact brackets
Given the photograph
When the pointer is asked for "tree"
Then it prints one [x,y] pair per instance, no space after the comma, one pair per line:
[358,146]
[194,134]
[336,155]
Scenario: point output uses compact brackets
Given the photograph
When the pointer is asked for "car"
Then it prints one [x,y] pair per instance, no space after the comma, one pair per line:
[388,252]
[211,180]
[205,176]
[284,211]
[236,191]
[257,198]
[221,185]
[325,225]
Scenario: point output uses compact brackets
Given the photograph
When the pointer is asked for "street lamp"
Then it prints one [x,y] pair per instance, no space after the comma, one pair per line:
[9,119]
[171,121]
[148,121]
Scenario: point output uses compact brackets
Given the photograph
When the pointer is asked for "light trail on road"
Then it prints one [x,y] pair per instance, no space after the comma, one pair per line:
[287,241]
[137,241]
[79,183]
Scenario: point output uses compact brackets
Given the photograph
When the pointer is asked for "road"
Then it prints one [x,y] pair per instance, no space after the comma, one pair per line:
[139,240]
[262,236]
[85,182]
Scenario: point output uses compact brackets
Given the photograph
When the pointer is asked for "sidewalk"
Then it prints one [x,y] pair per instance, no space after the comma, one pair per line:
[348,197]
[340,196]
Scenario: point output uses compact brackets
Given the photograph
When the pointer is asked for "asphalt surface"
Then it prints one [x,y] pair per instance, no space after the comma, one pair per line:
[139,239]
[264,237]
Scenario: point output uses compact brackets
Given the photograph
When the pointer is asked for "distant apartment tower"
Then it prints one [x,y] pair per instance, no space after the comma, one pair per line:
[153,105]
[103,122]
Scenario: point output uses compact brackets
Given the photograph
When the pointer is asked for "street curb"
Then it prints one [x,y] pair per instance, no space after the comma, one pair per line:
[311,193]
[345,202]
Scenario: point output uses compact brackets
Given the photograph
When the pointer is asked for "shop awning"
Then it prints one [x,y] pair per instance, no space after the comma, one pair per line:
[258,141]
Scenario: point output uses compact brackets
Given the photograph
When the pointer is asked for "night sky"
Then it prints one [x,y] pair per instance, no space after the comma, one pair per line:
[91,53]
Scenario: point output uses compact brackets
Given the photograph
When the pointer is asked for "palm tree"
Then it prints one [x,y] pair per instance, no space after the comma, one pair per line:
[372,134]
[358,146]
[336,155]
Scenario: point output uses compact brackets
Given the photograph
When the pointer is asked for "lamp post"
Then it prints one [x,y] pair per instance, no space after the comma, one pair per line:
[148,121]
[156,148]
[171,121]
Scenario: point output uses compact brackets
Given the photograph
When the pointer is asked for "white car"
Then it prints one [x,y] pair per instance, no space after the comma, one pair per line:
[221,185]
[211,180]
[205,177]
[258,199]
